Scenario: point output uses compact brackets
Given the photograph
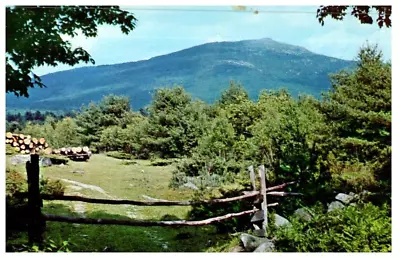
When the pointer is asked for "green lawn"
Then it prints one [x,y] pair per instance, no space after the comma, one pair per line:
[106,177]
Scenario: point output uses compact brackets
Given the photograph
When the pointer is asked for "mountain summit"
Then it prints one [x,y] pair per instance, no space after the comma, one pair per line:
[204,71]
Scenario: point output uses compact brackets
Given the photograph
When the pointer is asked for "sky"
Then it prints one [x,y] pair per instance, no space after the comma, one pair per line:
[162,30]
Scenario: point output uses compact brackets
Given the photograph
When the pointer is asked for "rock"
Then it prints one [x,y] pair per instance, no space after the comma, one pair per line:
[80,209]
[335,206]
[303,214]
[345,198]
[20,159]
[131,215]
[281,221]
[267,246]
[250,242]
[190,185]
[74,187]
[236,249]
[45,162]
[259,232]
[258,216]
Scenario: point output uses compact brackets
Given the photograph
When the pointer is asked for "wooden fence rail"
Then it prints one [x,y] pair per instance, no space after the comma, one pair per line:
[144,223]
[38,219]
[48,197]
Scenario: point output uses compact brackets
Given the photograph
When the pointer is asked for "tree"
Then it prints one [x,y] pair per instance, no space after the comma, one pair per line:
[66,134]
[361,12]
[235,94]
[358,109]
[286,134]
[175,123]
[110,111]
[240,110]
[33,38]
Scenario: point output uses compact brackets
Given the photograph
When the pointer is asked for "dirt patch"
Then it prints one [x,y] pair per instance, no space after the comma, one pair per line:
[86,186]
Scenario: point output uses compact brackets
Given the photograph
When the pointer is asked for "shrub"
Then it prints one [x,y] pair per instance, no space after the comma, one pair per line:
[52,187]
[163,162]
[10,150]
[16,207]
[56,159]
[119,155]
[205,211]
[129,162]
[351,176]
[354,229]
[15,182]
[47,246]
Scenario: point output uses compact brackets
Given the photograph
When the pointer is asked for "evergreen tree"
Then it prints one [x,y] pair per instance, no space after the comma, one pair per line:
[358,109]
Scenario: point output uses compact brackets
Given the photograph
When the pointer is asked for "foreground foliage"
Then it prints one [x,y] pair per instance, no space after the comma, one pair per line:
[34,38]
[355,229]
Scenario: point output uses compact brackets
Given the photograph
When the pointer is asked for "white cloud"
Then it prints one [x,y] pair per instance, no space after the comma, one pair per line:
[216,38]
[80,41]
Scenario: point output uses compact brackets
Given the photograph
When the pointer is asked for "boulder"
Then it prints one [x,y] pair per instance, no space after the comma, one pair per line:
[250,242]
[236,249]
[45,162]
[345,198]
[20,159]
[259,232]
[303,214]
[258,216]
[335,206]
[190,185]
[266,247]
[281,221]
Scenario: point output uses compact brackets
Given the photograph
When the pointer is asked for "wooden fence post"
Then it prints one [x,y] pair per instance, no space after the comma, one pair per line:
[252,177]
[36,222]
[261,170]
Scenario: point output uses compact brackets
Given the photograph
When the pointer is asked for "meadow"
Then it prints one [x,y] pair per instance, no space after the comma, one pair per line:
[110,178]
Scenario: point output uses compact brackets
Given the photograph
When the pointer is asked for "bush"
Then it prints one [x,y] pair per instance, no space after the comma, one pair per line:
[351,175]
[52,187]
[56,159]
[47,246]
[10,150]
[129,162]
[205,211]
[119,155]
[15,182]
[163,162]
[354,229]
[16,207]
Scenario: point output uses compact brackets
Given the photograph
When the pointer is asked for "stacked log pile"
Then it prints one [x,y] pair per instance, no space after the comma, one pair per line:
[25,144]
[74,152]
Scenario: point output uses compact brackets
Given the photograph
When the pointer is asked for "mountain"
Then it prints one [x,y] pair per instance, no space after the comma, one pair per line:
[204,71]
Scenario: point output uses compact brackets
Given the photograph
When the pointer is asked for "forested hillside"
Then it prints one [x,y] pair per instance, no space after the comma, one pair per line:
[203,71]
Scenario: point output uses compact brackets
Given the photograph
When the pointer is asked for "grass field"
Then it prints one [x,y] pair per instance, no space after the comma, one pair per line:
[106,177]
